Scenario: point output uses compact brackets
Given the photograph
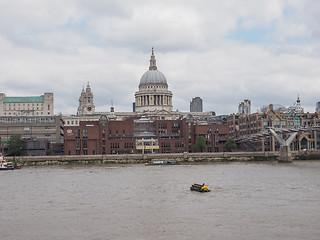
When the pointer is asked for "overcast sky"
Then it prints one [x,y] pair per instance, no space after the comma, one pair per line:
[221,51]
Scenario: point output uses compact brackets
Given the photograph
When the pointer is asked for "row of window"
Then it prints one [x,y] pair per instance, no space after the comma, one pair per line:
[27,120]
[165,144]
[27,135]
[156,86]
[24,109]
[21,104]
[31,113]
[164,125]
[85,152]
[114,149]
[84,133]
[112,144]
[127,144]
[84,144]
[117,132]
[72,122]
[283,124]
[209,130]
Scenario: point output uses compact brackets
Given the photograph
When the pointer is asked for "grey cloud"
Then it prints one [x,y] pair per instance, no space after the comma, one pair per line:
[112,46]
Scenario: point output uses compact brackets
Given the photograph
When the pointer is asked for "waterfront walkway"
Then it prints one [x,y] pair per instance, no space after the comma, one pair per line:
[180,157]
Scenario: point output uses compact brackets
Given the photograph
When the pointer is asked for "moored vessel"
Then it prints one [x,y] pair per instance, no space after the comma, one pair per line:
[8,165]
[162,162]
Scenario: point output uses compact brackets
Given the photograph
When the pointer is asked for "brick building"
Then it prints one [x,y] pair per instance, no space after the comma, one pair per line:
[84,139]
[142,135]
[215,135]
[245,125]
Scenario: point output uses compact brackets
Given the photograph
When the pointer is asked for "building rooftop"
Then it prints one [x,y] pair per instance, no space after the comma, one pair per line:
[38,99]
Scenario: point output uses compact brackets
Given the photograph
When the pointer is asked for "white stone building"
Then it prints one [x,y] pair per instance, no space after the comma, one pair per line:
[27,106]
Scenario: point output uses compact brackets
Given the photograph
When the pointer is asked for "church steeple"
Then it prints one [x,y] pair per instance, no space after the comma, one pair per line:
[153,65]
[298,100]
[86,105]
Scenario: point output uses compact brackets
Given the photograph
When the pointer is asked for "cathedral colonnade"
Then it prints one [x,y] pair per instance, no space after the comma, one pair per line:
[154,100]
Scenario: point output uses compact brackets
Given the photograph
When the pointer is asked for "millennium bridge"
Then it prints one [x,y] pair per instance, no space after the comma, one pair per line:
[285,151]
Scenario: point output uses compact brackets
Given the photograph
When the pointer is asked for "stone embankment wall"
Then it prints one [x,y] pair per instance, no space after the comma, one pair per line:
[180,157]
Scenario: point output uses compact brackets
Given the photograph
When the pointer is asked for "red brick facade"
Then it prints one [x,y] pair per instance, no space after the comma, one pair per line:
[215,135]
[142,135]
[84,139]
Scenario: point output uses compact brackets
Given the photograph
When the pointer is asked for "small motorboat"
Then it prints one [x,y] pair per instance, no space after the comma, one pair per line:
[200,188]
[162,162]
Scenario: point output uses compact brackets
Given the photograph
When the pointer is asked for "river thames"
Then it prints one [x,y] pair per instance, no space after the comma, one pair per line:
[247,201]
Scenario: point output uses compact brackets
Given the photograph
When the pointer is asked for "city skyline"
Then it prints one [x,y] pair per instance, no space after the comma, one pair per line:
[221,52]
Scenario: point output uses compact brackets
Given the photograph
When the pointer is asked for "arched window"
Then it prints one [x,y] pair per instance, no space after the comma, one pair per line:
[297,121]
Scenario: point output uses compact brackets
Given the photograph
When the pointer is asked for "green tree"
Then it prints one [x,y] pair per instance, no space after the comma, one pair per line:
[200,144]
[14,145]
[230,145]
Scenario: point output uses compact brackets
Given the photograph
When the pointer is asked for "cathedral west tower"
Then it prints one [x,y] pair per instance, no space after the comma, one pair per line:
[153,91]
[86,106]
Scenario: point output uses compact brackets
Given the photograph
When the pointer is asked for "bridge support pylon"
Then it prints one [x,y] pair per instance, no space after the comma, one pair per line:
[285,155]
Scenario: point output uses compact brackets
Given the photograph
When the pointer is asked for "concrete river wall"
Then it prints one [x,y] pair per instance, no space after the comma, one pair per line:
[180,157]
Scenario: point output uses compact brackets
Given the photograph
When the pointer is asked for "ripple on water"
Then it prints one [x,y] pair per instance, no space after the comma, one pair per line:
[247,201]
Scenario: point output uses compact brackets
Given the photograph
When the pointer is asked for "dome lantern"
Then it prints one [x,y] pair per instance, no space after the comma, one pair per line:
[153,65]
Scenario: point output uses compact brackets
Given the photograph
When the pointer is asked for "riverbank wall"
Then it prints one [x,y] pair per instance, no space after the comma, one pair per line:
[146,158]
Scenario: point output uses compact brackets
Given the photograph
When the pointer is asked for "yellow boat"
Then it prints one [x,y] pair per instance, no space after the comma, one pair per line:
[200,188]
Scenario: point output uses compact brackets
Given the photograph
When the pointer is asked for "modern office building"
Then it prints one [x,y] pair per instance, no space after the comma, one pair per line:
[196,105]
[37,131]
[27,106]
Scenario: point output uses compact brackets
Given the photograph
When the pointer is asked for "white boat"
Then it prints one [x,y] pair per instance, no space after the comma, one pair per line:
[163,162]
[4,164]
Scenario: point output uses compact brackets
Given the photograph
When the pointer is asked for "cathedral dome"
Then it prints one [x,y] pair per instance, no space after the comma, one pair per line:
[153,76]
[153,93]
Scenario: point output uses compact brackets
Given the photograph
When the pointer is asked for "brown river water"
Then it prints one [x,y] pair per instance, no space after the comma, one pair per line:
[258,201]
